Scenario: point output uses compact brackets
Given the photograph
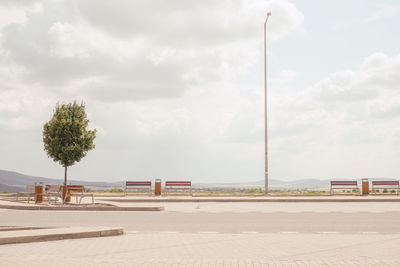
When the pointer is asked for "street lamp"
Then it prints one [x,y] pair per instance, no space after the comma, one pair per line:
[265,102]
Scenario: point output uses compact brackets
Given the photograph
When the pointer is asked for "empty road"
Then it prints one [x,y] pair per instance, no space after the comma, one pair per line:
[228,218]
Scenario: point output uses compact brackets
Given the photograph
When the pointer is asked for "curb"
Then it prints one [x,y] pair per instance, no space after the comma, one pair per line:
[251,200]
[82,208]
[16,228]
[60,236]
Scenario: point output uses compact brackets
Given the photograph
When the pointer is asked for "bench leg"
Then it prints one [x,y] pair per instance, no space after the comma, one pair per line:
[80,199]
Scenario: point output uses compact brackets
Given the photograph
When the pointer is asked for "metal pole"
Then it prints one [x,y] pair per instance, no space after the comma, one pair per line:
[265,102]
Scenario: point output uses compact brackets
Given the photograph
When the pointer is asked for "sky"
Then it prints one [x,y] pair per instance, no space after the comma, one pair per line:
[175,88]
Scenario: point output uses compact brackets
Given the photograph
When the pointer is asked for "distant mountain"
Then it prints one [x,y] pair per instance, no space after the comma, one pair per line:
[18,180]
[10,189]
[13,181]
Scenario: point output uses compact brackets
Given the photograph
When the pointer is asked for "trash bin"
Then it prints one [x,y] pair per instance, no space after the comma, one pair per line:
[157,187]
[64,191]
[365,186]
[38,192]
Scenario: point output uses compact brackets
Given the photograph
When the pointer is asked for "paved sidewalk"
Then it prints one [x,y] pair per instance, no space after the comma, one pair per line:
[210,249]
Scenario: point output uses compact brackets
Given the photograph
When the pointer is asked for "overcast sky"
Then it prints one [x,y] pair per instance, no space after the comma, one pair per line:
[175,88]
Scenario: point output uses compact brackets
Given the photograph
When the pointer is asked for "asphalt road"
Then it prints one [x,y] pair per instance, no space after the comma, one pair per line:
[221,222]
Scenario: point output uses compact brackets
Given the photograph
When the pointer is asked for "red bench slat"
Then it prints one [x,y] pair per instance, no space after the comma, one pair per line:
[344,183]
[178,183]
[138,183]
[75,187]
[385,182]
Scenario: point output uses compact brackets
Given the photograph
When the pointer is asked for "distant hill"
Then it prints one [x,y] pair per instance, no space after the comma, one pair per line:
[13,182]
[10,189]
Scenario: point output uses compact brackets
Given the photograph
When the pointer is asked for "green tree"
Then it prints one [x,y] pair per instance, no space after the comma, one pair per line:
[66,136]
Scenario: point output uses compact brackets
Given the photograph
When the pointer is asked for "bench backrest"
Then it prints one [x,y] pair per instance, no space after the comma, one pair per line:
[137,183]
[178,183]
[76,188]
[385,182]
[52,188]
[30,188]
[344,183]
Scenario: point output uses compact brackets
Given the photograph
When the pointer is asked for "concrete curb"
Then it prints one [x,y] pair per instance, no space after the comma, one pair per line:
[16,228]
[253,200]
[72,208]
[59,236]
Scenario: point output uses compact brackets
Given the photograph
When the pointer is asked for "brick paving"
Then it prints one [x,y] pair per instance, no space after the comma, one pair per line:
[210,249]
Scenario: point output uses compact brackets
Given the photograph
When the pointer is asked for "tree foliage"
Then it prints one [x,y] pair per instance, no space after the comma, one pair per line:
[66,136]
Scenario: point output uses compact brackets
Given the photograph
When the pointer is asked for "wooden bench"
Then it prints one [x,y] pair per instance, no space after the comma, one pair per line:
[137,186]
[29,192]
[385,185]
[77,191]
[178,186]
[350,184]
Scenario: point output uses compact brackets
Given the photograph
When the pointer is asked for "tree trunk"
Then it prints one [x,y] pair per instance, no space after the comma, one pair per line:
[65,184]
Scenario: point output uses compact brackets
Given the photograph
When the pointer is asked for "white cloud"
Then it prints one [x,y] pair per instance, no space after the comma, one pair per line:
[379,13]
[117,52]
[17,11]
[201,23]
[343,121]
[385,12]
[330,128]
[162,81]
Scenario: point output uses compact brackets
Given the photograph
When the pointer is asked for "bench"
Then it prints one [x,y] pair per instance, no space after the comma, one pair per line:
[136,186]
[77,191]
[385,185]
[351,184]
[177,186]
[30,192]
[52,191]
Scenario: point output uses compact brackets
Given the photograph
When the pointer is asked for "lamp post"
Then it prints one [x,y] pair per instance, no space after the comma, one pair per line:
[265,102]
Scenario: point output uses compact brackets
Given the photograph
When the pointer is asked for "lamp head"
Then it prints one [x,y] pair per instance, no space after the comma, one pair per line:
[268,14]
